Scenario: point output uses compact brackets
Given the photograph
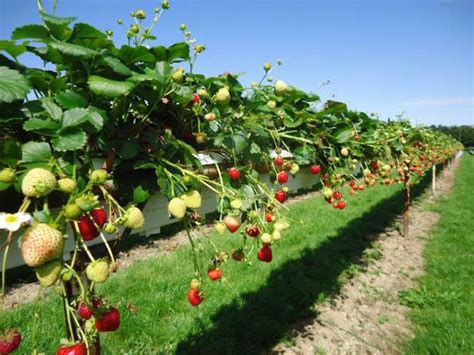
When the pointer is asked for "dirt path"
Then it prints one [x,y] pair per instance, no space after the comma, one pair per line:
[366,317]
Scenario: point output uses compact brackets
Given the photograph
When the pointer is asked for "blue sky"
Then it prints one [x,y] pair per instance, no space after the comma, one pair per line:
[387,57]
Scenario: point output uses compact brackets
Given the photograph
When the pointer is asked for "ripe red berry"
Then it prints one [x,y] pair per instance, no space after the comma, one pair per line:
[100,216]
[85,312]
[352,183]
[109,321]
[374,165]
[337,195]
[265,254]
[279,161]
[253,231]
[269,217]
[87,228]
[341,205]
[195,297]
[235,173]
[315,169]
[214,274]
[10,341]
[325,176]
[281,196]
[76,349]
[196,99]
[238,255]
[283,177]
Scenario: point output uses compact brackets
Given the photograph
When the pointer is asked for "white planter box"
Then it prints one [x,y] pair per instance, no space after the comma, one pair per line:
[156,214]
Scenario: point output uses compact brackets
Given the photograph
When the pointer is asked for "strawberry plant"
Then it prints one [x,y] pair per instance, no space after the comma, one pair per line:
[89,138]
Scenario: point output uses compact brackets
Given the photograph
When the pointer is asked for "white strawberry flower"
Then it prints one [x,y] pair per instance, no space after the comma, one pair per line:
[13,222]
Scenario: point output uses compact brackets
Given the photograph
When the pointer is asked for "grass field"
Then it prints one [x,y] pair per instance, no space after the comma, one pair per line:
[444,303]
[253,309]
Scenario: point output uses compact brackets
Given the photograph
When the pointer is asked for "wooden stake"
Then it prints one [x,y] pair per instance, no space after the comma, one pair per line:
[433,183]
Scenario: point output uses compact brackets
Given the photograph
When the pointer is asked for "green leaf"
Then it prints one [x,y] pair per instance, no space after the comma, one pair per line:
[13,85]
[71,99]
[58,25]
[343,135]
[129,150]
[335,106]
[12,48]
[131,55]
[140,195]
[74,117]
[90,37]
[178,51]
[117,66]
[33,152]
[304,154]
[53,110]
[37,124]
[95,118]
[236,143]
[109,88]
[72,140]
[10,151]
[73,50]
[31,32]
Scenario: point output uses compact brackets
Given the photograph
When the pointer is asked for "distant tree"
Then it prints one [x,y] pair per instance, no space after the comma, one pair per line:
[465,134]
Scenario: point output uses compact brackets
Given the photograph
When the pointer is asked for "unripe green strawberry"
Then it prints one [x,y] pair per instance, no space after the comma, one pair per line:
[49,273]
[344,152]
[276,235]
[140,14]
[178,75]
[236,204]
[98,270]
[98,176]
[281,225]
[110,228]
[67,185]
[220,228]
[211,116]
[177,207]
[203,93]
[280,87]
[327,192]
[267,66]
[134,218]
[38,182]
[41,243]
[7,176]
[192,199]
[223,96]
[294,169]
[271,104]
[72,211]
[266,238]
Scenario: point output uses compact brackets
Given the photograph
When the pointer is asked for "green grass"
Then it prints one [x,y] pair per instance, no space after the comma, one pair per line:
[252,310]
[443,305]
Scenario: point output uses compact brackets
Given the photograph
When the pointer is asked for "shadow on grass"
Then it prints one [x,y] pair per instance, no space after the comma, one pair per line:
[262,318]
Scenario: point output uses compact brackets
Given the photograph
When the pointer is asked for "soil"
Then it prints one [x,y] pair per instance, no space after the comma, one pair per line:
[366,317]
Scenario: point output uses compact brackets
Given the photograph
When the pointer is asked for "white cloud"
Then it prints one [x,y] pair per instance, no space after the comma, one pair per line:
[441,102]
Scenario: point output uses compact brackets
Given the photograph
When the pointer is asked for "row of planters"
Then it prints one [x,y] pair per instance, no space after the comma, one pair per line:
[143,111]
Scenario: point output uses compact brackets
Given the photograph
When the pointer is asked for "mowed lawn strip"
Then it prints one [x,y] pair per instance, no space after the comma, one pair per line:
[253,307]
[444,302]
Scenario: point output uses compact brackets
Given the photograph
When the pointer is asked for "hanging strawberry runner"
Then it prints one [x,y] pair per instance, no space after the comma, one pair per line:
[142,110]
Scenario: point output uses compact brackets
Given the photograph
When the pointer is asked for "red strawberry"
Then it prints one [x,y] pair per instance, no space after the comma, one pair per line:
[253,231]
[196,99]
[85,312]
[279,161]
[269,217]
[337,195]
[283,177]
[76,349]
[214,274]
[109,321]
[87,228]
[195,297]
[325,176]
[235,173]
[281,196]
[352,183]
[374,165]
[100,216]
[335,205]
[238,255]
[10,341]
[265,254]
[361,187]
[232,223]
[341,205]
[97,302]
[315,169]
